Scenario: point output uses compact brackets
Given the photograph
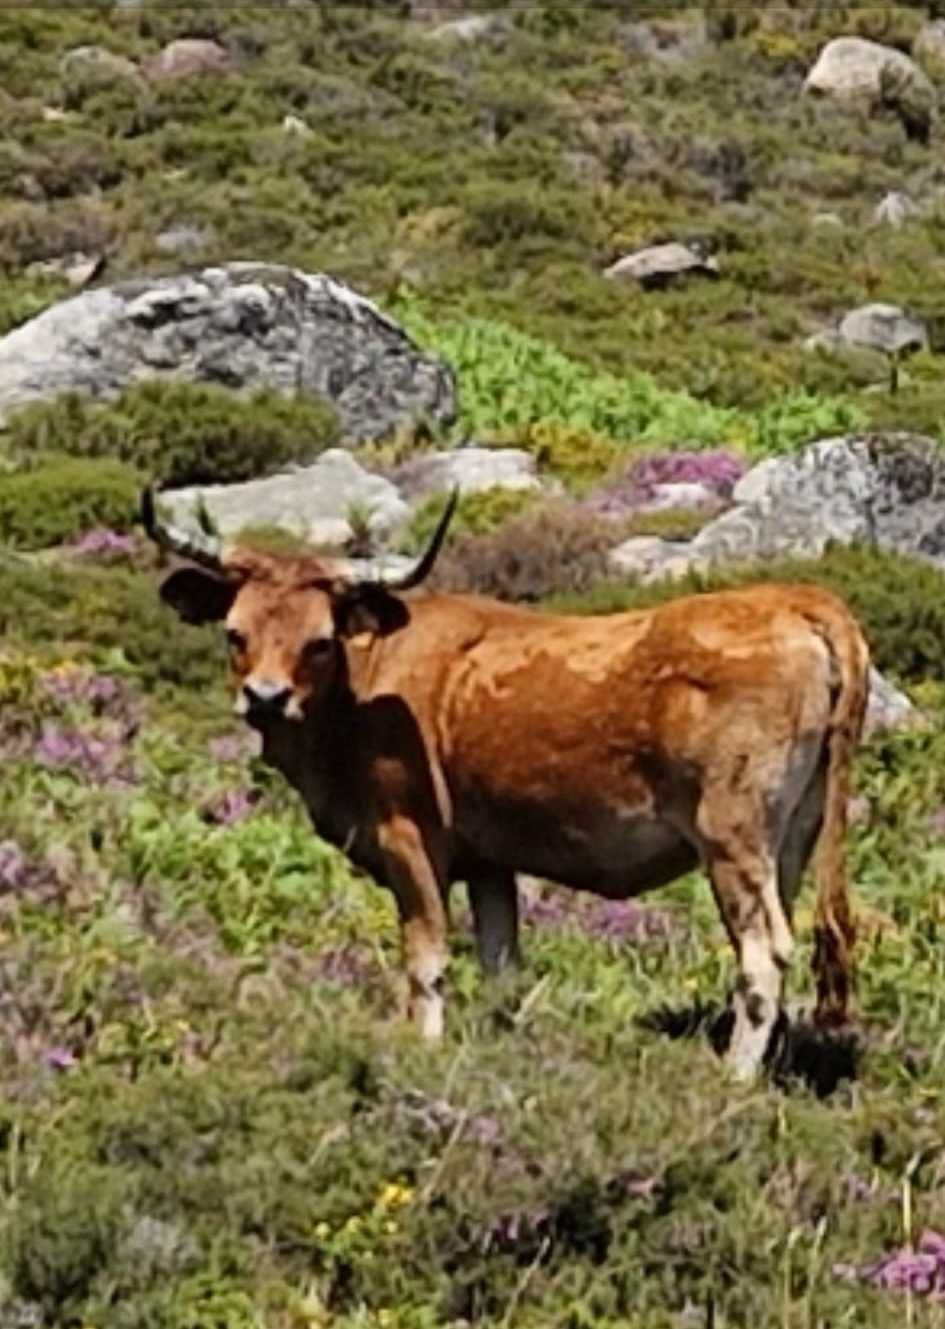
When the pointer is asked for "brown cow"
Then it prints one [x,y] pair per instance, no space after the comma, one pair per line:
[441,738]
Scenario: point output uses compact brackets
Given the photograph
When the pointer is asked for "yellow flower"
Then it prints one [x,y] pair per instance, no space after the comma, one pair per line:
[353,1224]
[322,1230]
[384,1316]
[394,1196]
[390,1225]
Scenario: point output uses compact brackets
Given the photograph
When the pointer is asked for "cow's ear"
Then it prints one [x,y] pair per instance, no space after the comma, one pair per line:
[198,596]
[368,608]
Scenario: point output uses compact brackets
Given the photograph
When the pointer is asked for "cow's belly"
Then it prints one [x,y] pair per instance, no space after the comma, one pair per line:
[611,851]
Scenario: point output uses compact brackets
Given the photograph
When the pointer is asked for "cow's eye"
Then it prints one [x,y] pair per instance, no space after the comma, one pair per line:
[318,648]
[235,639]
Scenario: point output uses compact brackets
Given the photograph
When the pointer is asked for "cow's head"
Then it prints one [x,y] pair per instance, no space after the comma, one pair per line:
[287,618]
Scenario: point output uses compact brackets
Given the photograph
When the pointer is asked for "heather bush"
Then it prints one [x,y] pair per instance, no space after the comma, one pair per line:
[63,496]
[553,549]
[179,433]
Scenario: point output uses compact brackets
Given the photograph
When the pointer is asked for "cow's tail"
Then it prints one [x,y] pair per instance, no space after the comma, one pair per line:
[834,927]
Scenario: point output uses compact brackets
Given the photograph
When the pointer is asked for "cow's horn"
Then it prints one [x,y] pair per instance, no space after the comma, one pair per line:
[422,569]
[203,549]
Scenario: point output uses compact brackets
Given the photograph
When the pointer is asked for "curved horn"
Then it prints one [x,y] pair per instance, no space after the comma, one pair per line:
[202,549]
[422,569]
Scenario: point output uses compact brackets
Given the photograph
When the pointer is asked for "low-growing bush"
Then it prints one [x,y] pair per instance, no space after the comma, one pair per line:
[64,496]
[101,611]
[551,550]
[180,433]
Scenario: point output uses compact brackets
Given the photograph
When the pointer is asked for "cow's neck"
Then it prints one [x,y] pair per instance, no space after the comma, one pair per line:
[318,760]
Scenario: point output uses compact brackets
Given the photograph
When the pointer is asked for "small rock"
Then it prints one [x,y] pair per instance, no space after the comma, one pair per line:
[293,125]
[827,219]
[889,708]
[894,209]
[929,47]
[689,496]
[854,67]
[470,28]
[646,557]
[659,264]
[313,502]
[883,328]
[93,64]
[78,268]
[183,239]
[471,469]
[188,57]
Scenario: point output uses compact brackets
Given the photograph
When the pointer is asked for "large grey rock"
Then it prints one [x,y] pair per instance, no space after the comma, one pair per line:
[472,470]
[883,490]
[244,325]
[659,264]
[852,67]
[315,502]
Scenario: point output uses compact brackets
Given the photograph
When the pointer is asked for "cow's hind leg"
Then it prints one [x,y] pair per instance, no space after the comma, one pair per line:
[744,876]
[493,897]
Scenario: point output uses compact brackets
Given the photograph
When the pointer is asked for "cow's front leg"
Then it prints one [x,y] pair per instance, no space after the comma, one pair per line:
[418,888]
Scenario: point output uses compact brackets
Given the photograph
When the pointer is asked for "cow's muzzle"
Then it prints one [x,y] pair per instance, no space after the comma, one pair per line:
[261,699]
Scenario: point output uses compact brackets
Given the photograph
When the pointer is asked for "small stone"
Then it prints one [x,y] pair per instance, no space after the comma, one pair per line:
[659,264]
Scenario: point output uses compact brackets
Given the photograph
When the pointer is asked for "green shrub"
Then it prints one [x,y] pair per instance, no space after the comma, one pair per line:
[476,514]
[103,611]
[63,496]
[180,433]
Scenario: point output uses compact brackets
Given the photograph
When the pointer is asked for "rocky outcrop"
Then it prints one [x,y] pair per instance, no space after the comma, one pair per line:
[242,325]
[471,470]
[884,490]
[320,503]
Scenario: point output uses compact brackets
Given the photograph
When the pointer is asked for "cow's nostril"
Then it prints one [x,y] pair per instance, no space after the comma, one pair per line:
[265,695]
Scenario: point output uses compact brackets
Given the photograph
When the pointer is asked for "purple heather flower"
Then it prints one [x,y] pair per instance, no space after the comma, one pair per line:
[13,865]
[102,541]
[345,965]
[625,920]
[921,1271]
[91,757]
[231,747]
[715,473]
[59,1058]
[229,807]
